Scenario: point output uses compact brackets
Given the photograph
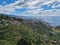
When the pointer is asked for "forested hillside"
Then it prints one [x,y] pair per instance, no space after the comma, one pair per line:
[17,31]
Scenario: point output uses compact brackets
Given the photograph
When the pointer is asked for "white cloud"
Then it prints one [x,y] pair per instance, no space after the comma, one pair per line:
[54,6]
[38,12]
[35,7]
[8,8]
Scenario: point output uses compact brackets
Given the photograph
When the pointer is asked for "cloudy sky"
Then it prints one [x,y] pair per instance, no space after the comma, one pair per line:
[30,7]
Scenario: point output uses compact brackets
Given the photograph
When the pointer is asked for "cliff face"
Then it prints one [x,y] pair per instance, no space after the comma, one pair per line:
[17,31]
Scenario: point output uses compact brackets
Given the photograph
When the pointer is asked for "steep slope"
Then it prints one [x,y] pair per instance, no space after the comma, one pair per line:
[17,31]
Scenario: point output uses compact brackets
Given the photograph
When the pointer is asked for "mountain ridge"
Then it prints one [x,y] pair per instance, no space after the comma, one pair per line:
[18,31]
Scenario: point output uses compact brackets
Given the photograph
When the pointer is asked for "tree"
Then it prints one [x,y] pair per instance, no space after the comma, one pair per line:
[23,42]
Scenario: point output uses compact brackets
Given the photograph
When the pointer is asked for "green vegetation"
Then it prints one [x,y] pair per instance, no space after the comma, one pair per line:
[16,31]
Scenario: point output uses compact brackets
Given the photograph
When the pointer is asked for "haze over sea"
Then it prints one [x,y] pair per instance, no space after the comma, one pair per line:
[53,20]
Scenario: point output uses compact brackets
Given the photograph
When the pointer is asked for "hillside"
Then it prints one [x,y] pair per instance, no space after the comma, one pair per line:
[18,31]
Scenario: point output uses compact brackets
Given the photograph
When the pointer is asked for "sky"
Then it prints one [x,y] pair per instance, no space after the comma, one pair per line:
[30,7]
[48,9]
